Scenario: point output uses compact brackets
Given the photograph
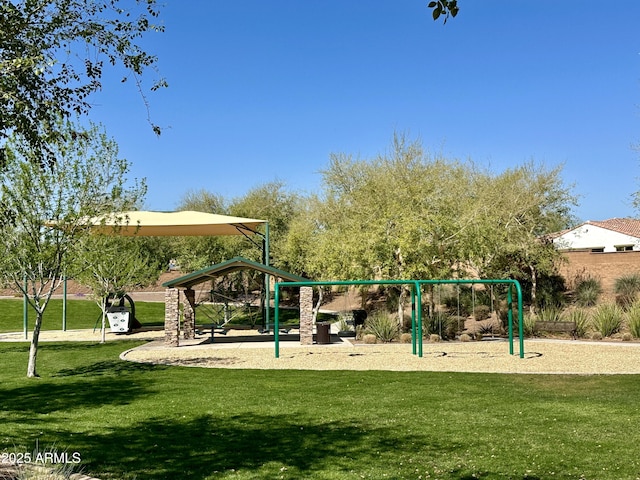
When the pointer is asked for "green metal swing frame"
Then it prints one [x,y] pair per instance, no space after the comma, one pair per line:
[416,298]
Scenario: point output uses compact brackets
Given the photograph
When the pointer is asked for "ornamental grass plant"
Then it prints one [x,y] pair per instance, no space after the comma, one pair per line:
[580,317]
[382,326]
[607,319]
[587,292]
[549,314]
[627,289]
[633,319]
[529,324]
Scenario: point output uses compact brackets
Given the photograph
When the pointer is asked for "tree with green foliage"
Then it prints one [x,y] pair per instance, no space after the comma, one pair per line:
[111,266]
[53,54]
[396,216]
[270,201]
[45,210]
[520,208]
[408,214]
[300,251]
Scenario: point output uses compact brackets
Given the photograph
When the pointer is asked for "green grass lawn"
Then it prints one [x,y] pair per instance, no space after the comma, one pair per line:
[86,313]
[130,421]
[80,314]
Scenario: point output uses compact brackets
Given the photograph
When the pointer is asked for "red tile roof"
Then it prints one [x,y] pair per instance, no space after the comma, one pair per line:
[627,226]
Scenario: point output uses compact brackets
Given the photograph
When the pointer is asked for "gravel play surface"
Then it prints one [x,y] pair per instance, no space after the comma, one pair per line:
[541,356]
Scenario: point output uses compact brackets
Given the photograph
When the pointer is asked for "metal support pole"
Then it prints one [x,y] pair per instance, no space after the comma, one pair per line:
[419,302]
[510,317]
[64,304]
[267,282]
[520,318]
[413,321]
[276,333]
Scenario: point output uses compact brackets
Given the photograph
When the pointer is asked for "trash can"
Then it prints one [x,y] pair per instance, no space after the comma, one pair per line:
[323,336]
[359,316]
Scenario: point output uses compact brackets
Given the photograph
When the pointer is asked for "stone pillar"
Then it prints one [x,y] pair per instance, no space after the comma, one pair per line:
[171,317]
[189,314]
[306,315]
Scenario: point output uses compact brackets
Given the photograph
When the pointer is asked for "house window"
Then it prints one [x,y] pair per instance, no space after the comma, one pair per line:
[597,250]
[624,248]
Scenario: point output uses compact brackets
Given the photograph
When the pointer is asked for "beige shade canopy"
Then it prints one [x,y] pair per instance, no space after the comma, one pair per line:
[185,223]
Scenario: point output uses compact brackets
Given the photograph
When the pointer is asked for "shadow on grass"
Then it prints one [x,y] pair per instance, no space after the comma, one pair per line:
[273,446]
[44,397]
[108,367]
[260,444]
[86,347]
[15,347]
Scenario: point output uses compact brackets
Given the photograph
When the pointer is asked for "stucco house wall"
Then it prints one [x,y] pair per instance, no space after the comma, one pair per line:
[592,237]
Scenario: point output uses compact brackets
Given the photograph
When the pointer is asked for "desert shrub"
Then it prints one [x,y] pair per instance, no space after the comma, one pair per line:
[405,338]
[580,317]
[596,336]
[627,289]
[441,324]
[383,327]
[46,470]
[465,338]
[434,337]
[627,337]
[607,319]
[369,338]
[406,323]
[633,319]
[488,328]
[550,314]
[481,312]
[587,292]
[455,324]
[528,324]
[551,291]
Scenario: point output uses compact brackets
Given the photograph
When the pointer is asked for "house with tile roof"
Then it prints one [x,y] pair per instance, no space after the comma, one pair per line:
[606,250]
[613,235]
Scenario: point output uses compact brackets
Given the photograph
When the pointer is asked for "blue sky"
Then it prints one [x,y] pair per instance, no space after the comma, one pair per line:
[263,90]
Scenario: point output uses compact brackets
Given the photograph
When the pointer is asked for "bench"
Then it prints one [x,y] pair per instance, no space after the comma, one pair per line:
[212,328]
[563,327]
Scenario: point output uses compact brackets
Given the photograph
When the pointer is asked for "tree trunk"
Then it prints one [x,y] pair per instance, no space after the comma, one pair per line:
[33,349]
[316,308]
[104,314]
[534,287]
[103,338]
[401,303]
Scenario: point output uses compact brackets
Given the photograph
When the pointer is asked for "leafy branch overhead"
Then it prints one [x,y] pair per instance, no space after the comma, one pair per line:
[53,54]
[448,8]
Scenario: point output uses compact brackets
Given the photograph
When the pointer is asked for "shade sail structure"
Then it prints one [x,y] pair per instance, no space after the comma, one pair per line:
[186,223]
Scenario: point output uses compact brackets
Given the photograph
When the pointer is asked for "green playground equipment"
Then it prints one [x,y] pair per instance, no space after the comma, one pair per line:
[416,299]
